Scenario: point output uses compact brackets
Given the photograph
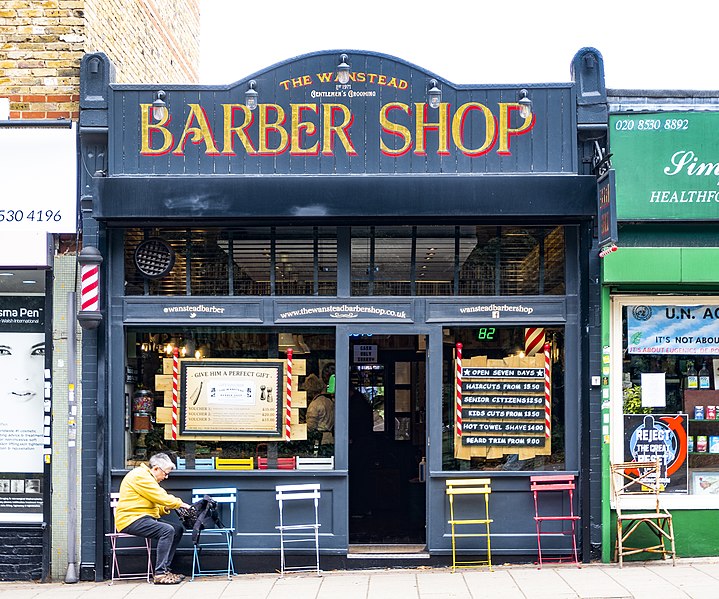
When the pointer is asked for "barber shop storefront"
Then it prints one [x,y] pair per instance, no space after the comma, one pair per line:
[348,271]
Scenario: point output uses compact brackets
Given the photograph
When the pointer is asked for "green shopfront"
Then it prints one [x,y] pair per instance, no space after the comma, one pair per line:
[661,313]
[353,226]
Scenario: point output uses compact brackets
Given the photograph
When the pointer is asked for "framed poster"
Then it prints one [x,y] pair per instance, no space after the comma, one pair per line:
[705,483]
[231,398]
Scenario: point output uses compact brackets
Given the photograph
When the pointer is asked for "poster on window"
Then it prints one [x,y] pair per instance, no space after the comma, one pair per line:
[232,397]
[22,372]
[663,437]
[673,329]
[22,417]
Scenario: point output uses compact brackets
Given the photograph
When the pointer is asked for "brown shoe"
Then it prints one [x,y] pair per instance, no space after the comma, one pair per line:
[167,578]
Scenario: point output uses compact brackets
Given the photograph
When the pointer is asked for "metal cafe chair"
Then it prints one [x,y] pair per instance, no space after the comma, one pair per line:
[640,479]
[220,539]
[464,516]
[117,548]
[299,522]
[559,487]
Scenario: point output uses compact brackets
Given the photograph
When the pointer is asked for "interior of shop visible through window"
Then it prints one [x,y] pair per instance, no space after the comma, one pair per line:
[498,413]
[217,398]
[670,387]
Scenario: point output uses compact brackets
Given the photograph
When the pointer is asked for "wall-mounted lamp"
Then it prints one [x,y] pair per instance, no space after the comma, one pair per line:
[525,104]
[159,108]
[251,95]
[434,94]
[343,70]
[89,315]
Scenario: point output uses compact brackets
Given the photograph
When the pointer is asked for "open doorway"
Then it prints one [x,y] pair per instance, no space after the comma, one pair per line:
[387,440]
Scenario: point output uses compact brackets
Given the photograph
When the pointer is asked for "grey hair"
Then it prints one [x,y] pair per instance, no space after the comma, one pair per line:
[162,461]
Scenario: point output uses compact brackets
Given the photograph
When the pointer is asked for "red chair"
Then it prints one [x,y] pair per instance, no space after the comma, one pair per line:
[282,463]
[561,486]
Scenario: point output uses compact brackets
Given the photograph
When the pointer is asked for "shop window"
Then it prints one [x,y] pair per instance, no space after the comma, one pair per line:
[457,260]
[243,261]
[508,422]
[670,391]
[232,401]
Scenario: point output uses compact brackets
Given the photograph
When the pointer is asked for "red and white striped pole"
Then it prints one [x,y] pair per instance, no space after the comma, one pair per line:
[458,417]
[175,386]
[288,409]
[547,393]
[89,315]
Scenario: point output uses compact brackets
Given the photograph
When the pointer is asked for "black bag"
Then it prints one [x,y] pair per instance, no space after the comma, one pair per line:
[200,515]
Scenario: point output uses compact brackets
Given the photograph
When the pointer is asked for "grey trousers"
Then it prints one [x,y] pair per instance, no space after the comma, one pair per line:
[167,535]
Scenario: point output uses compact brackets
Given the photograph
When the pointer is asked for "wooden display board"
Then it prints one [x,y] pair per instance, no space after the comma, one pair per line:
[504,408]
[233,400]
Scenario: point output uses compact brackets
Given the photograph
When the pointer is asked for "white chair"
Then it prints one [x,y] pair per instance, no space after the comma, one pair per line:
[296,504]
[117,547]
[226,499]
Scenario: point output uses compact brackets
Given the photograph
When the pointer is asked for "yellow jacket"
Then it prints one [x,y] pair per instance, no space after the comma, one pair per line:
[141,495]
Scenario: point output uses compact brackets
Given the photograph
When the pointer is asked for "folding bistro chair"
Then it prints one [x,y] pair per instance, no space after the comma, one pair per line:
[118,547]
[641,479]
[561,488]
[297,503]
[221,538]
[471,516]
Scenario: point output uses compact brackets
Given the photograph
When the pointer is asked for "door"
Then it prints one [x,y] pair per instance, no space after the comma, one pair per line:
[387,438]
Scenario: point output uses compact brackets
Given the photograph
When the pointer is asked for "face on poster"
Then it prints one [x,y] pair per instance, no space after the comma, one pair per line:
[22,364]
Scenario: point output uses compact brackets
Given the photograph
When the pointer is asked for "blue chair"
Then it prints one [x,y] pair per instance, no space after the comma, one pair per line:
[216,539]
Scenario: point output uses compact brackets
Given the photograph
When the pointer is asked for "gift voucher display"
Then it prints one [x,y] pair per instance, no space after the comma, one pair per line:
[231,397]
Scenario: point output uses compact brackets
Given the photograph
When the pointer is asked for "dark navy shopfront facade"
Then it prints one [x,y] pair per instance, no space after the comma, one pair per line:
[377,229]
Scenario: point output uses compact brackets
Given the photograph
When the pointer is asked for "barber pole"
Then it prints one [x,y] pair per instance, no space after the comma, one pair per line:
[458,416]
[288,410]
[547,393]
[175,384]
[89,315]
[90,288]
[533,340]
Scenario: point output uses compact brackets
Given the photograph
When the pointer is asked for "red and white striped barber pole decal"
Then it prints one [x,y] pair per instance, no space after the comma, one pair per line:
[533,340]
[288,410]
[175,385]
[459,390]
[547,393]
[90,288]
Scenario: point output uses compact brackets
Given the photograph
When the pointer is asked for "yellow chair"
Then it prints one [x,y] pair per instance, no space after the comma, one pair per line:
[640,479]
[473,488]
[234,463]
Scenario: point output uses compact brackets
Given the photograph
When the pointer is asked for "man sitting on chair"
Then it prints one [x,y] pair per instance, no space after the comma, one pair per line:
[142,502]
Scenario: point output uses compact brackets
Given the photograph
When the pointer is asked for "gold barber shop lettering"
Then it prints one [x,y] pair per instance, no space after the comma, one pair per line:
[473,129]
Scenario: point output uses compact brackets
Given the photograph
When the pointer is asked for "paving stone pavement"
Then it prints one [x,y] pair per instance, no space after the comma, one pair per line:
[689,579]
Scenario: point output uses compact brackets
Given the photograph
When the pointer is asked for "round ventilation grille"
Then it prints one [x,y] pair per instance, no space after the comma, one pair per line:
[154,258]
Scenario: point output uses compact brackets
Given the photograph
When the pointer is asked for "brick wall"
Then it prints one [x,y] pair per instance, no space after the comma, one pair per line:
[148,41]
[41,44]
[20,553]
